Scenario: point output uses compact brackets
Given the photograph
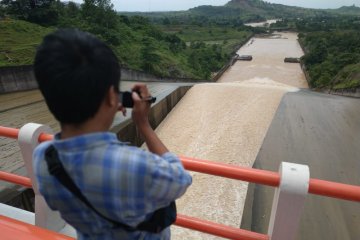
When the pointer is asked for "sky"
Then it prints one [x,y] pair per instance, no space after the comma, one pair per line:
[176,5]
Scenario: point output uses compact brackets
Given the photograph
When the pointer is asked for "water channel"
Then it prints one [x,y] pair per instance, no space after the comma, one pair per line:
[227,122]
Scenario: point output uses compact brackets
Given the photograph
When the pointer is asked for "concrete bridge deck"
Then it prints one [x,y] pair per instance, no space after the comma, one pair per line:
[322,131]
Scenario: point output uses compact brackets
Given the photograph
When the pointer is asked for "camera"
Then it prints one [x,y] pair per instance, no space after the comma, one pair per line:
[126,99]
[128,102]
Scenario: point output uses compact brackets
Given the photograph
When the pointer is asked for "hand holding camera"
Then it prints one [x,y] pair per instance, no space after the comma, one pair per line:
[128,102]
[140,100]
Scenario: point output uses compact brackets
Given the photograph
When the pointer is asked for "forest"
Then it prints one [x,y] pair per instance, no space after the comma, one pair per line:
[138,43]
[332,50]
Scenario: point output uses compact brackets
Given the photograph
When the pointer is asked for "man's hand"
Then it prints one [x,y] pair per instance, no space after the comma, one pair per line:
[140,112]
[140,115]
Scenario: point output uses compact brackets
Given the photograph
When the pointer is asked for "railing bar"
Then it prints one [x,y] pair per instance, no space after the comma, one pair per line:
[234,172]
[9,132]
[334,189]
[45,137]
[217,229]
[316,186]
[13,178]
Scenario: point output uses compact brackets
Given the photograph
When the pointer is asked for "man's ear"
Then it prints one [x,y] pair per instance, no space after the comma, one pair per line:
[112,97]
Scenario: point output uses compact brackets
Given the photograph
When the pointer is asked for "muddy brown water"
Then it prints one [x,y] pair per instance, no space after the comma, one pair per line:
[227,122]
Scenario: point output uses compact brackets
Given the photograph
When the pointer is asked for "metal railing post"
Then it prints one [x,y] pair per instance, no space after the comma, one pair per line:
[289,199]
[28,140]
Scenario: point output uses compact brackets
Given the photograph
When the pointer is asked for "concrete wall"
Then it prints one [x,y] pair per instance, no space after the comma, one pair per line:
[225,68]
[17,78]
[231,61]
[349,92]
[21,78]
[135,75]
[127,131]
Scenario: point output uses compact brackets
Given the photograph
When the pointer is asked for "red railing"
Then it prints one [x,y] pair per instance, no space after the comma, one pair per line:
[316,186]
[15,230]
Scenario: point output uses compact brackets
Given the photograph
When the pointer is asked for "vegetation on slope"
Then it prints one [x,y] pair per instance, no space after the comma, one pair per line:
[332,53]
[348,77]
[19,40]
[193,43]
[138,43]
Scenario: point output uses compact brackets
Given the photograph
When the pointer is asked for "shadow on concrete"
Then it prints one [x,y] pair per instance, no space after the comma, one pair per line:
[322,131]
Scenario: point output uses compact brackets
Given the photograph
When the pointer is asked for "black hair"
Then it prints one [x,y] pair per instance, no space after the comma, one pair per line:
[74,71]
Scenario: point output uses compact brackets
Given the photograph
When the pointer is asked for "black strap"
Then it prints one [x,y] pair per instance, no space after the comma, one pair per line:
[56,169]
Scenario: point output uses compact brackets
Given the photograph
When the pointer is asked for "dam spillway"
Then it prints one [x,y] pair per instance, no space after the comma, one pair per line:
[227,122]
[259,114]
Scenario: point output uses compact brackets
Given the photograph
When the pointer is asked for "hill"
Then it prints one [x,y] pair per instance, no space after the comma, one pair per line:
[139,44]
[348,77]
[241,11]
[346,10]
[19,40]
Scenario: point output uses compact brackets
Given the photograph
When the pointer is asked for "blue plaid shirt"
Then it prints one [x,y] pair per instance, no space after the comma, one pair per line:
[124,183]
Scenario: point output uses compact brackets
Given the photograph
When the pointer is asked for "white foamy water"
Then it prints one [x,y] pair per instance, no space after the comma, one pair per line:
[264,83]
[268,61]
[261,24]
[227,122]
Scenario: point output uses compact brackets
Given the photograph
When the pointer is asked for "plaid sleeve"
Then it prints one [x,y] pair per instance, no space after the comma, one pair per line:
[169,179]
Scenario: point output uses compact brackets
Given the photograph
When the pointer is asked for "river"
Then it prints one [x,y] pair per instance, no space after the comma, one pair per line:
[268,61]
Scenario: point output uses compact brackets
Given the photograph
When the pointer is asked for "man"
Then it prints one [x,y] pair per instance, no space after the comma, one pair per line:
[79,78]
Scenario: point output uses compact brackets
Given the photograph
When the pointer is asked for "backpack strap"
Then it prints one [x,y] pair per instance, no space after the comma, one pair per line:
[159,220]
[56,169]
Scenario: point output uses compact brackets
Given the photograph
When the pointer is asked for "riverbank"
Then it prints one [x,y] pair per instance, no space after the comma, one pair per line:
[343,81]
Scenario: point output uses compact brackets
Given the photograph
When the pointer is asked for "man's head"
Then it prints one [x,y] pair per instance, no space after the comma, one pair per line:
[75,72]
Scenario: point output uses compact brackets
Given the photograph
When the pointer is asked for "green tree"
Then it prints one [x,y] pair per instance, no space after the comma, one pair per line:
[99,13]
[149,56]
[43,12]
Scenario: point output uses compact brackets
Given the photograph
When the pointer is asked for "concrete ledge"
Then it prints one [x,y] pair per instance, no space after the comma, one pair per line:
[17,78]
[348,92]
[21,78]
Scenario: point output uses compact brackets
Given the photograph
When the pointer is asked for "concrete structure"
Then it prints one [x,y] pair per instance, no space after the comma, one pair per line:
[291,60]
[244,58]
[321,131]
[18,78]
[21,78]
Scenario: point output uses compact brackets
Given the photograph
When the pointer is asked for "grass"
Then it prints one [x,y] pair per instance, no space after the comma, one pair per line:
[349,77]
[190,33]
[18,41]
[229,38]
